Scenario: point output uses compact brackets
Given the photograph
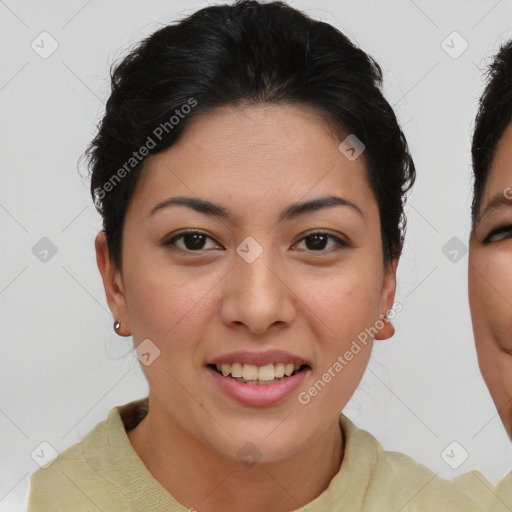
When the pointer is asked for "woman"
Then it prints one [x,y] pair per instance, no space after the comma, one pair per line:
[251,178]
[490,247]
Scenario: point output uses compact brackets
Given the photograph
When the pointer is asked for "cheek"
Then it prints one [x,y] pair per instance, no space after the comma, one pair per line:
[349,309]
[341,309]
[170,309]
[490,293]
[338,317]
[164,304]
[354,294]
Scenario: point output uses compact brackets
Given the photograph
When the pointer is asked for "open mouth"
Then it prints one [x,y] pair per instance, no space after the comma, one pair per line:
[258,376]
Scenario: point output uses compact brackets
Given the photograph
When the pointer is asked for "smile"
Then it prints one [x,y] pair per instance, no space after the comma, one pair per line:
[258,375]
[250,389]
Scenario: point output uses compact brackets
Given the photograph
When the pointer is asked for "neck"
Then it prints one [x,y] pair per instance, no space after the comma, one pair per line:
[215,482]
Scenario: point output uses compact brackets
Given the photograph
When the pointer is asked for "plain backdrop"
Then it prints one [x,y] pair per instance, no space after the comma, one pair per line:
[62,366]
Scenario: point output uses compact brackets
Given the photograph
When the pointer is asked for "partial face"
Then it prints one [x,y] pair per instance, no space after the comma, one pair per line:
[490,280]
[254,275]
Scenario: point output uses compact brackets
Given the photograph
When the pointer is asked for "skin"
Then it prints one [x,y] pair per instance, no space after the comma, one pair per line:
[490,280]
[199,304]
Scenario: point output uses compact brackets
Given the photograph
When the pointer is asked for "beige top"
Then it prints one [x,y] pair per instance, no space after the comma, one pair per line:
[104,472]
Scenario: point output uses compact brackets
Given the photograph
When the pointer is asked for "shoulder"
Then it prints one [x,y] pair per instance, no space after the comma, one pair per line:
[394,480]
[501,494]
[72,480]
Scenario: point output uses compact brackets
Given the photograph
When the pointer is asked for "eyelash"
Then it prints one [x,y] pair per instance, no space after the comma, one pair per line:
[171,242]
[497,231]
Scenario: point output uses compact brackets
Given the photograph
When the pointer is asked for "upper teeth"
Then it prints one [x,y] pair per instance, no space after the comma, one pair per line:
[253,372]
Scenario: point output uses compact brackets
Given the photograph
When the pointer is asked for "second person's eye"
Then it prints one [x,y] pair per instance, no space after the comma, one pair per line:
[499,234]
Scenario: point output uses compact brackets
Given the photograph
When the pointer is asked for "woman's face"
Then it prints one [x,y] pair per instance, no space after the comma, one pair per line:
[254,279]
[490,280]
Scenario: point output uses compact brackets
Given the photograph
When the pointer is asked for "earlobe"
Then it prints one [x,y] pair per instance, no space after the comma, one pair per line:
[386,332]
[386,328]
[112,282]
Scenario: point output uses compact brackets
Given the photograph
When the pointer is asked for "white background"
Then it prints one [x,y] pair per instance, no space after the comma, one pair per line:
[63,368]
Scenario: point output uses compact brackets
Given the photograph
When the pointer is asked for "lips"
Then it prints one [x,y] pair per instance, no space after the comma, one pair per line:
[260,358]
[258,378]
[258,393]
[261,378]
[252,373]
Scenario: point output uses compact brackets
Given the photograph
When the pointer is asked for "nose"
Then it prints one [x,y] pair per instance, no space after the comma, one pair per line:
[257,295]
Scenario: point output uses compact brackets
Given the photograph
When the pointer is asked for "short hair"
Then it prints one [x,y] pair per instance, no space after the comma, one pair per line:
[493,116]
[243,54]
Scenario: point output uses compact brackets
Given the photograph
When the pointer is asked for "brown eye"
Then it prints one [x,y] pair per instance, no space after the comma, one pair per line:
[318,240]
[192,241]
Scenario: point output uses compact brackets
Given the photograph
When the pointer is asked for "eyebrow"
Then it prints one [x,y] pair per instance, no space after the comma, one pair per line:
[497,201]
[289,213]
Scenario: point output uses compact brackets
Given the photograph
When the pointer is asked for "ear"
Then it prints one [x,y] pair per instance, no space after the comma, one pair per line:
[113,283]
[387,299]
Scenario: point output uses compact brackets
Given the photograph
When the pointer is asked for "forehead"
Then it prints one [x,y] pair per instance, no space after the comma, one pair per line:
[246,152]
[271,135]
[500,171]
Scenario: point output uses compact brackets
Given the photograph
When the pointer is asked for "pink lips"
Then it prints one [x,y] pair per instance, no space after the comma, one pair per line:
[260,358]
[259,396]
